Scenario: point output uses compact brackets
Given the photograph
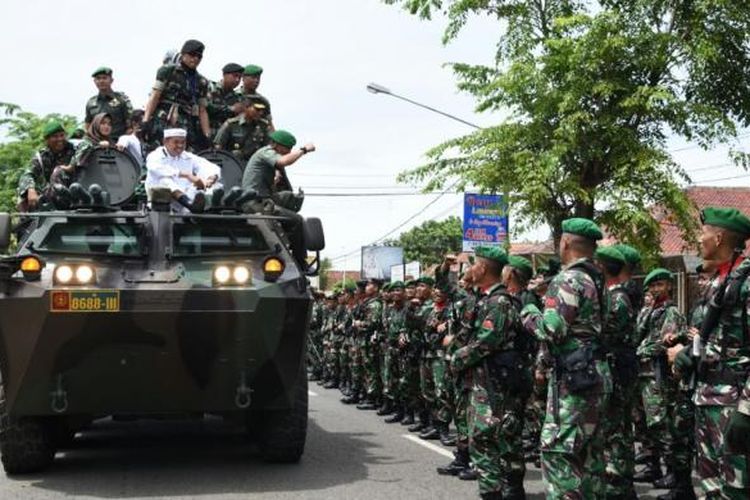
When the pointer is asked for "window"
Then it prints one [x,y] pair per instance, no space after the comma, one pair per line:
[99,238]
[217,239]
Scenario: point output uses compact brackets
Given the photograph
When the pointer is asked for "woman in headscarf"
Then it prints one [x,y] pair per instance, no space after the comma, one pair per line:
[97,135]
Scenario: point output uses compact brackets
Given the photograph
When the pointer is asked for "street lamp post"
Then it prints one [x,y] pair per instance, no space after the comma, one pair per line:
[379,89]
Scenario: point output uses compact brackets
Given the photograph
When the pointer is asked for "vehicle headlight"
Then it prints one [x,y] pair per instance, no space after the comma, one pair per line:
[222,274]
[241,275]
[63,274]
[84,274]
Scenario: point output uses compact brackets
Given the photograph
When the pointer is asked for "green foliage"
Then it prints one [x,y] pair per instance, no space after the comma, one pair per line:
[23,138]
[325,266]
[593,90]
[429,242]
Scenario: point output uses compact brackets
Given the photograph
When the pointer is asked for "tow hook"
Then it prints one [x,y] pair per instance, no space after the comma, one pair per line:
[59,397]
[242,398]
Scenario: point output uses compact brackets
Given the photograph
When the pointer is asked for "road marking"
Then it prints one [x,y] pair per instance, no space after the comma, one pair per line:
[428,445]
[311,393]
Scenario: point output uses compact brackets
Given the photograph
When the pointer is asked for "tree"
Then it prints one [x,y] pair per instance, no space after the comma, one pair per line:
[429,242]
[593,91]
[325,266]
[24,129]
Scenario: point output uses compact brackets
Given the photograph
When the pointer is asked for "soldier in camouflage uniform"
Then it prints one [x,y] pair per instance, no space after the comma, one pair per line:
[621,341]
[223,102]
[315,339]
[387,408]
[179,99]
[34,180]
[356,348]
[580,383]
[244,134]
[250,81]
[395,328]
[662,327]
[369,329]
[722,393]
[115,104]
[489,366]
[411,343]
[330,371]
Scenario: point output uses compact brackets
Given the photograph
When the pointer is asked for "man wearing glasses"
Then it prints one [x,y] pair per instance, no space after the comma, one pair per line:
[179,99]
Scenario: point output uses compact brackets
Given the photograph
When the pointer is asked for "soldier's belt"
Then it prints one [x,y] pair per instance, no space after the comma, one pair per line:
[722,375]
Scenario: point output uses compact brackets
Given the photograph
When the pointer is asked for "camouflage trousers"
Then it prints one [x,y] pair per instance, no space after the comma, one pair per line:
[446,399]
[391,373]
[534,414]
[357,363]
[333,369]
[433,385]
[495,424]
[640,428]
[659,408]
[722,474]
[315,359]
[373,383]
[619,440]
[409,380]
[345,362]
[461,418]
[572,446]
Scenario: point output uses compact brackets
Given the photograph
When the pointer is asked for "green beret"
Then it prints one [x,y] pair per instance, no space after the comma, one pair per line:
[727,218]
[252,70]
[611,254]
[102,70]
[657,274]
[632,256]
[498,254]
[410,283]
[361,284]
[522,265]
[283,137]
[582,227]
[350,288]
[386,287]
[52,127]
[397,285]
[427,280]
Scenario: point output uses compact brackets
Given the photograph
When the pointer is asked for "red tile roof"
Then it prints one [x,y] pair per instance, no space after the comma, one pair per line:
[672,242]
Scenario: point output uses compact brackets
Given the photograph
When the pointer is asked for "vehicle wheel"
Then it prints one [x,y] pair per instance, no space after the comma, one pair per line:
[26,443]
[282,433]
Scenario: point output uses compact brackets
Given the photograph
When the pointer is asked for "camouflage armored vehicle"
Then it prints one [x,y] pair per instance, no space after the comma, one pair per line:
[107,309]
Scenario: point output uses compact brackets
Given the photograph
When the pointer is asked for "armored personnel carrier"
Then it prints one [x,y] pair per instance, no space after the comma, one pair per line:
[108,308]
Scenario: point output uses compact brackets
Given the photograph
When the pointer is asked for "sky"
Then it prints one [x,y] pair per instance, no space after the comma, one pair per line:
[318,56]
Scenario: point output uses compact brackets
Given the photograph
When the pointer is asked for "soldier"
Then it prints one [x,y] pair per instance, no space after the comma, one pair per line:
[179,99]
[580,383]
[621,340]
[490,367]
[396,327]
[244,134]
[333,368]
[259,176]
[115,104]
[250,82]
[369,330]
[223,102]
[35,179]
[722,393]
[356,348]
[387,408]
[314,339]
[409,344]
[662,326]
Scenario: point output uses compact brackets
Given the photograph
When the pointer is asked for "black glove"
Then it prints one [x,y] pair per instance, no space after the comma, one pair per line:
[738,433]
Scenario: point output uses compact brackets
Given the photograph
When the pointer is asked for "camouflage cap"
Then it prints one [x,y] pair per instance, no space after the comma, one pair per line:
[52,127]
[252,70]
[426,280]
[726,218]
[101,70]
[657,274]
[522,265]
[232,68]
[632,256]
[283,137]
[497,254]
[611,254]
[582,227]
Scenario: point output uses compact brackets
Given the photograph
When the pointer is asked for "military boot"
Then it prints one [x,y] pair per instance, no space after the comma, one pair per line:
[408,417]
[396,417]
[650,473]
[644,456]
[331,384]
[446,438]
[351,399]
[683,489]
[387,408]
[430,433]
[422,424]
[459,463]
[513,489]
[367,404]
[468,474]
[493,495]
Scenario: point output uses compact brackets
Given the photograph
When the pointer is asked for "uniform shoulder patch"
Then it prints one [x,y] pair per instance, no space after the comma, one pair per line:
[550,302]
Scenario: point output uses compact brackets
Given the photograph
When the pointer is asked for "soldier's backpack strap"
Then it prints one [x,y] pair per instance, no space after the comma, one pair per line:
[732,297]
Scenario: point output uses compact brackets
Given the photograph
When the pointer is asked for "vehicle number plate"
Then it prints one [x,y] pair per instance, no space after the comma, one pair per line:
[85,301]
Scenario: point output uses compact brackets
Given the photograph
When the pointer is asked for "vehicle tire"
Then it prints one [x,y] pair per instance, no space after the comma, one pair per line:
[282,433]
[26,443]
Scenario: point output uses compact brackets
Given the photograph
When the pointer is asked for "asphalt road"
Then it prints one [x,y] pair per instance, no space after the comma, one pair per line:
[350,454]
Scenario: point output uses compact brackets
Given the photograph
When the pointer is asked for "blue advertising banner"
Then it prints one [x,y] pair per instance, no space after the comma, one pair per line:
[485,220]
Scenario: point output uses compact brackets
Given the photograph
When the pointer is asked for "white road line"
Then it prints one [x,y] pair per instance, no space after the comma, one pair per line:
[311,393]
[428,445]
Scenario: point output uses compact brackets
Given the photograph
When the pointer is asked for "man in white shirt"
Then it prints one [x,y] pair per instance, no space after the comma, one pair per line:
[185,174]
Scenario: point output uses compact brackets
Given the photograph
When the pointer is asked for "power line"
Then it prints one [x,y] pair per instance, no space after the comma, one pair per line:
[721,179]
[369,195]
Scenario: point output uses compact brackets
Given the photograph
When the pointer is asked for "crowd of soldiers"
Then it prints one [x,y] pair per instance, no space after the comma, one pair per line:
[575,366]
